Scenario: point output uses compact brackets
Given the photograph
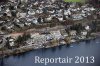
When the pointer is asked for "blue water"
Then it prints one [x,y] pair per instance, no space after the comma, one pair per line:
[85,48]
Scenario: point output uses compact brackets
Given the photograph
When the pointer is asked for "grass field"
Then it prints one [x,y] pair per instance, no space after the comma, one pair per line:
[74,0]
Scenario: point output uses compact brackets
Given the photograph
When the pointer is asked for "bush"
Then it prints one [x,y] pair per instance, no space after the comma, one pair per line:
[22,38]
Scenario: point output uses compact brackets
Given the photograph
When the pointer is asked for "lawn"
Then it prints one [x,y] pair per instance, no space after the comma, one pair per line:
[74,0]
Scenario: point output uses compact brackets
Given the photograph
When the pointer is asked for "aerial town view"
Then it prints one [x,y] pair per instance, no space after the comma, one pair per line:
[49,28]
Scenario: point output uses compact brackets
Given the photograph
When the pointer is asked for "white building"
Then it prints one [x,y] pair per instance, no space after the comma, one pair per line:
[48,18]
[60,18]
[11,42]
[35,20]
[84,33]
[87,27]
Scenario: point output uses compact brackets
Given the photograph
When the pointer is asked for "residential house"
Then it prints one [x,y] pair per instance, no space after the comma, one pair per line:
[73,33]
[60,10]
[2,33]
[31,12]
[60,18]
[21,25]
[9,26]
[49,37]
[74,10]
[22,15]
[63,33]
[18,14]
[83,11]
[16,20]
[67,12]
[12,0]
[89,9]
[51,12]
[77,17]
[35,21]
[87,27]
[52,1]
[11,42]
[83,15]
[39,11]
[84,33]
[0,8]
[49,18]
[2,41]
[2,22]
[36,3]
[27,23]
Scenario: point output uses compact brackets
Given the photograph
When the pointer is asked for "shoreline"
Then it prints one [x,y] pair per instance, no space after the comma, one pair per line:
[24,49]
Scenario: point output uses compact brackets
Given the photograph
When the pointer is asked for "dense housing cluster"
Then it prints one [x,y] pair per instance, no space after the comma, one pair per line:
[45,23]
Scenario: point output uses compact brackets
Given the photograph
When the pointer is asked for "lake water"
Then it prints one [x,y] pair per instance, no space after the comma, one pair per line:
[84,48]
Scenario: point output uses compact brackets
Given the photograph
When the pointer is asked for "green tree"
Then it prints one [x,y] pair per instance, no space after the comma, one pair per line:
[22,38]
